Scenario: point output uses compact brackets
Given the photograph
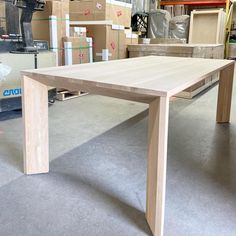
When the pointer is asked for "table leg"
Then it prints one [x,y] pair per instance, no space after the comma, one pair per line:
[35,118]
[157,160]
[225,94]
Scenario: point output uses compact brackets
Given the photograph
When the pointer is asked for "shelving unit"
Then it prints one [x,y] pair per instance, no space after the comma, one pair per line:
[196,3]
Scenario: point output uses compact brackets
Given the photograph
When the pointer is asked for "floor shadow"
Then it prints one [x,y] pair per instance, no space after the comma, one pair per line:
[105,166]
[9,115]
[103,193]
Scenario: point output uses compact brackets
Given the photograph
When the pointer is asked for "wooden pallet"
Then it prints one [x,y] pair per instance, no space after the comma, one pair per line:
[64,95]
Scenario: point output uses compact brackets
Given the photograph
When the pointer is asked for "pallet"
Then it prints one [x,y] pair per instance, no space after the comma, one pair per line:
[64,95]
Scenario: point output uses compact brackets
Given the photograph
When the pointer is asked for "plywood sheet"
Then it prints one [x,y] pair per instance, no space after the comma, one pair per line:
[207,26]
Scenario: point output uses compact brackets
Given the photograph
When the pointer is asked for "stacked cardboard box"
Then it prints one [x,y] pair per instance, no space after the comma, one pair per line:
[79,49]
[109,41]
[90,10]
[109,38]
[41,24]
[105,21]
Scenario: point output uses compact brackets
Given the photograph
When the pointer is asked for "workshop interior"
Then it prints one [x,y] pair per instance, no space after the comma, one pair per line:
[117,118]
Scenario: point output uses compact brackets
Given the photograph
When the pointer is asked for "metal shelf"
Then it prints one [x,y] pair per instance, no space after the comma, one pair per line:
[197,2]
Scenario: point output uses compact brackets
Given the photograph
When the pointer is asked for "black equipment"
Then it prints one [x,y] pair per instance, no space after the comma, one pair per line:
[139,22]
[12,41]
[28,8]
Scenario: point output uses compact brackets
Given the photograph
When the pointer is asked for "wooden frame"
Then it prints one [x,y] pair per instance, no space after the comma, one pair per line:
[35,109]
[207,26]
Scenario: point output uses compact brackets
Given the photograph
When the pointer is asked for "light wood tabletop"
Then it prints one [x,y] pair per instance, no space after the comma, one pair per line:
[153,75]
[151,80]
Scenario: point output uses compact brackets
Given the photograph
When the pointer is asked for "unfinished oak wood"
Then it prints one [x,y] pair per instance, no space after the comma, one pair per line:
[152,80]
[225,94]
[214,51]
[157,159]
[35,117]
[151,76]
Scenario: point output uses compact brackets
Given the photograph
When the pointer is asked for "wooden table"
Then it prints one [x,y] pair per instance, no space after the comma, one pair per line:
[152,80]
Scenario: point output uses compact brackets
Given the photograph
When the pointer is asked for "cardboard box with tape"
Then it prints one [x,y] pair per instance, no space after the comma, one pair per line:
[78,31]
[96,10]
[108,42]
[52,25]
[78,50]
[130,39]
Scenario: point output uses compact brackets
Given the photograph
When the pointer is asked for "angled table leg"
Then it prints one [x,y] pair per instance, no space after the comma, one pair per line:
[225,94]
[157,161]
[35,118]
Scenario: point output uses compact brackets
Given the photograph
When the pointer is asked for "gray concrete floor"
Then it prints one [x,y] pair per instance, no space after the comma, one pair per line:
[98,171]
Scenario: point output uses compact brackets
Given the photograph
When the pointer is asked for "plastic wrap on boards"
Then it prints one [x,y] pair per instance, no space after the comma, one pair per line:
[179,27]
[158,25]
[4,71]
[140,6]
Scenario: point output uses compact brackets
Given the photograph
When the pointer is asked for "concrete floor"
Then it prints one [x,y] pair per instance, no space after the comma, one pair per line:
[98,171]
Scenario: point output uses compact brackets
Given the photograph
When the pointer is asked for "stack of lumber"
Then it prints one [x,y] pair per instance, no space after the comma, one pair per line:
[178,50]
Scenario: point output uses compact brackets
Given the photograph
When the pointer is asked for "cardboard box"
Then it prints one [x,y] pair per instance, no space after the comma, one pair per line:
[107,37]
[80,49]
[96,10]
[78,32]
[2,18]
[41,27]
[130,39]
